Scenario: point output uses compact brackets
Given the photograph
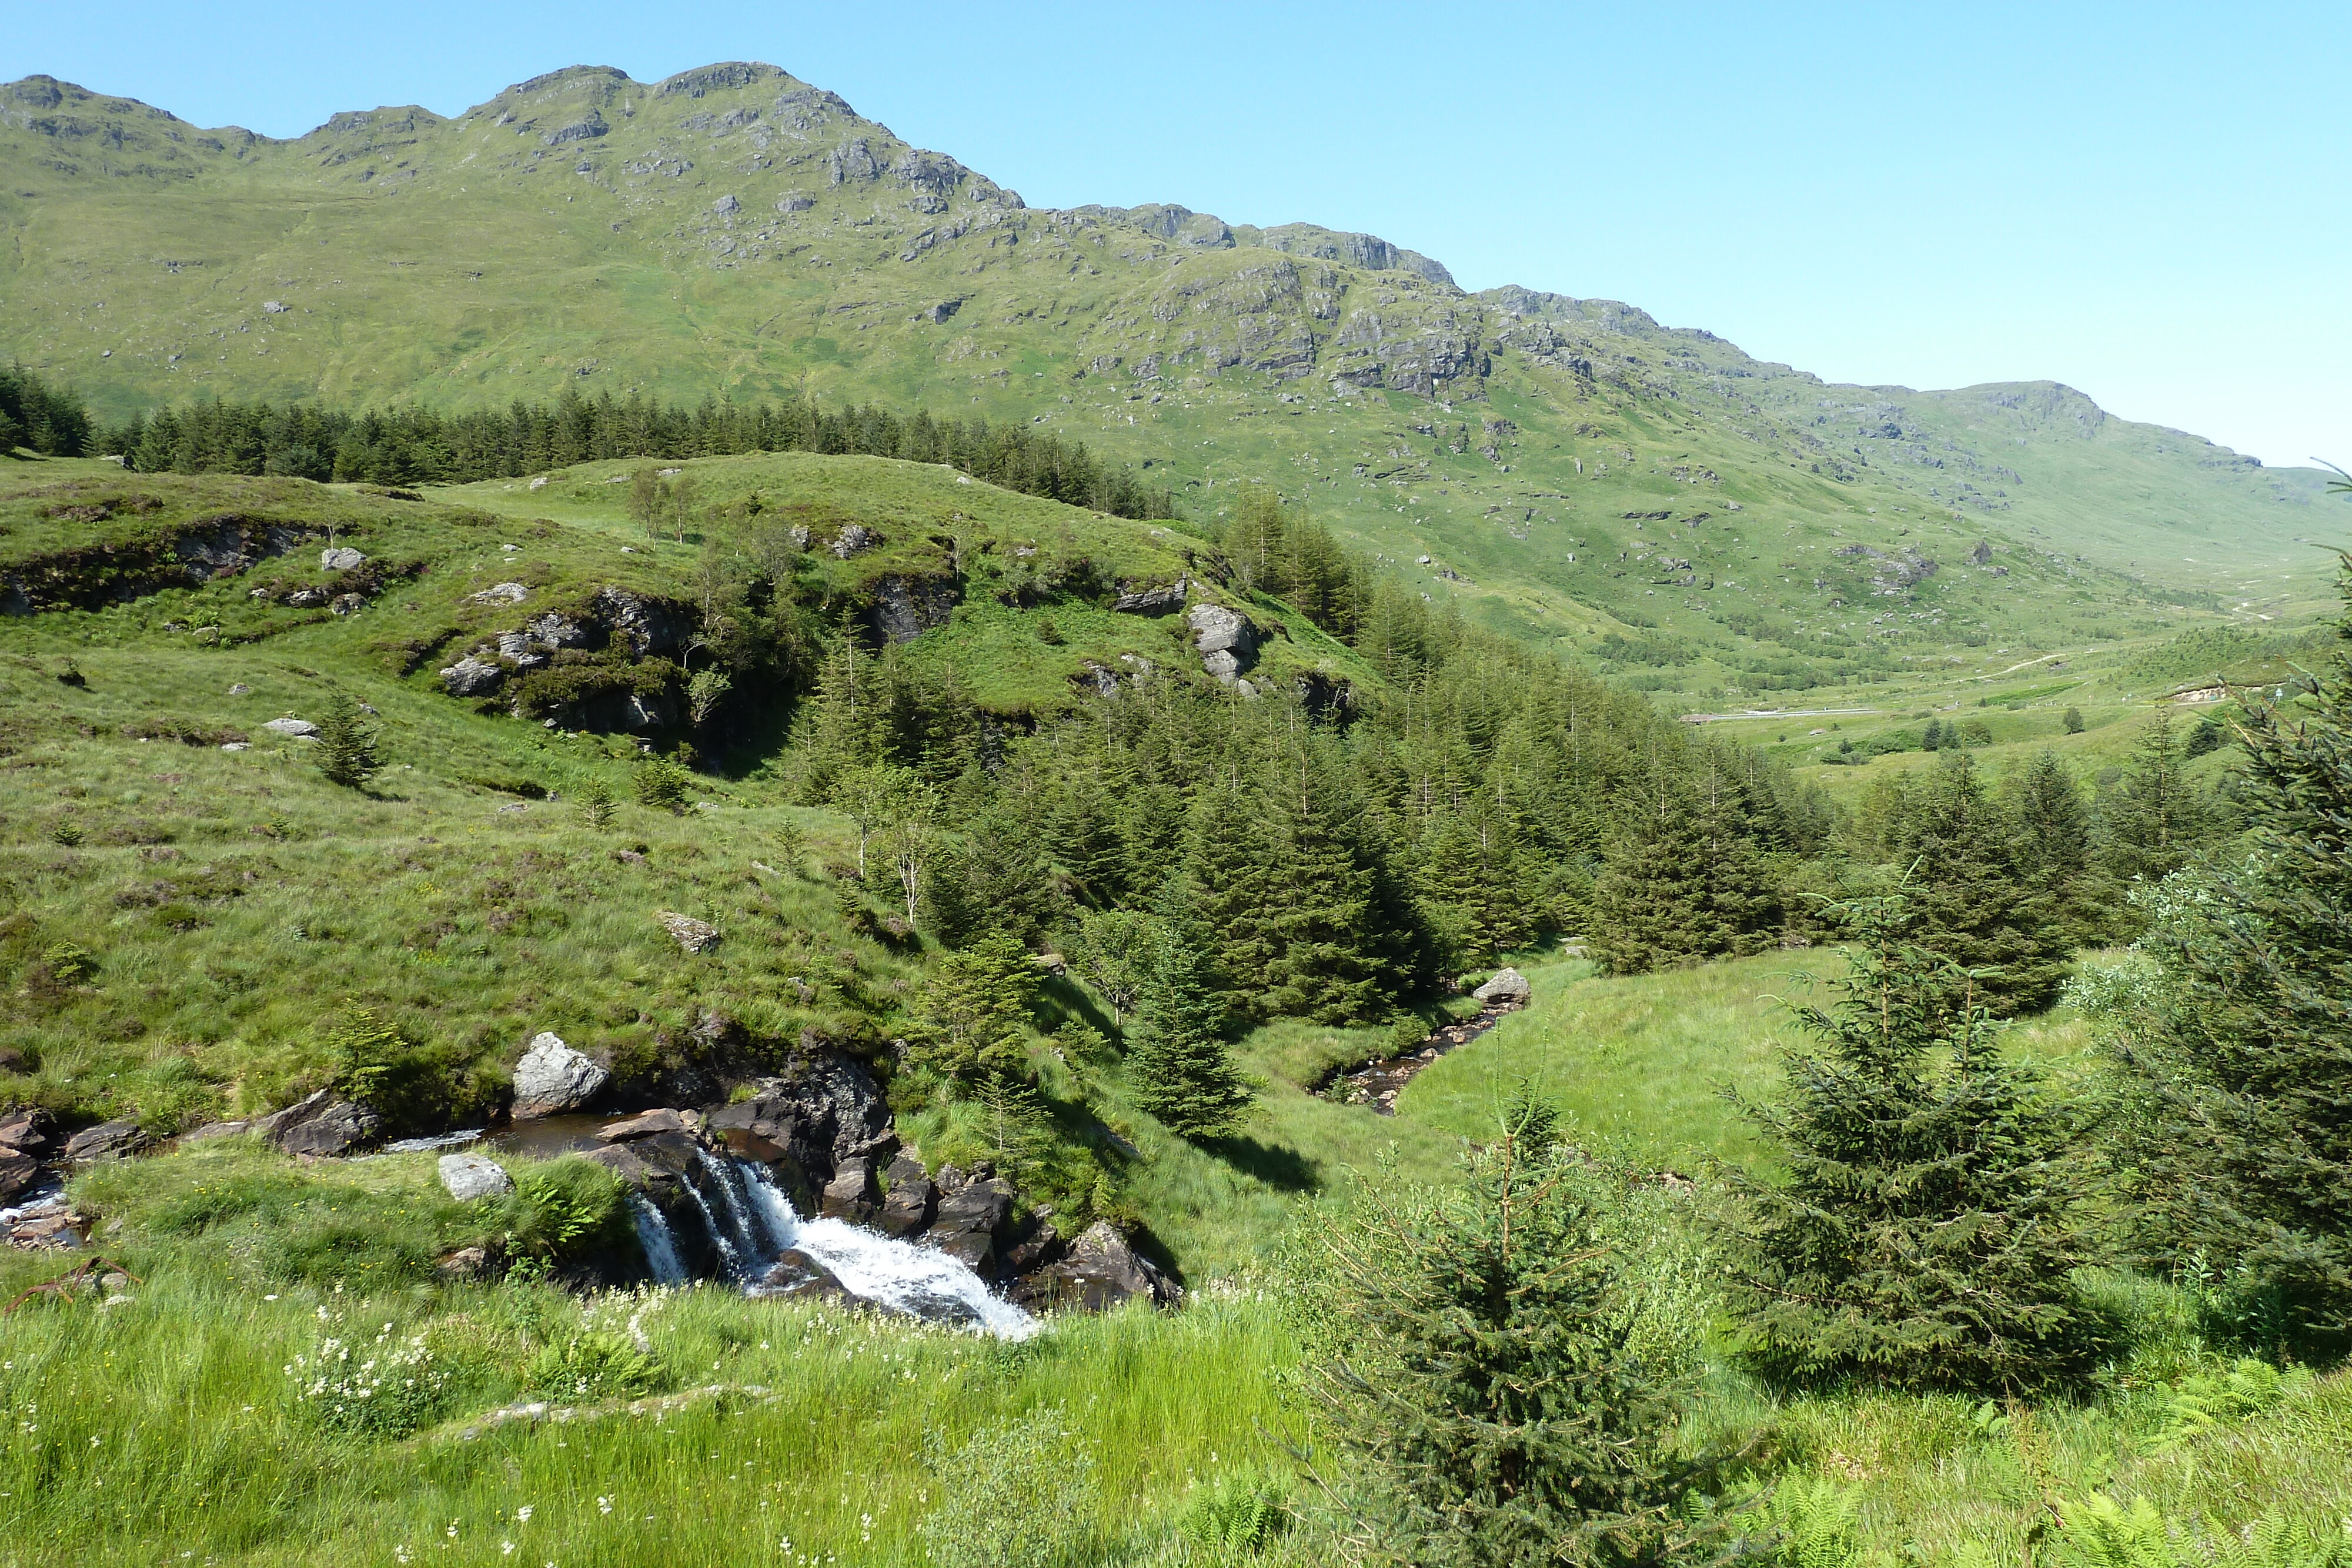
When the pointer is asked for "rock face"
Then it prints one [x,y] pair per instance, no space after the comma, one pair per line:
[806,1126]
[215,1130]
[340,558]
[1164,600]
[107,1141]
[292,728]
[851,1194]
[1510,986]
[1102,1271]
[471,1176]
[320,1125]
[907,607]
[1227,639]
[551,1078]
[19,1172]
[694,935]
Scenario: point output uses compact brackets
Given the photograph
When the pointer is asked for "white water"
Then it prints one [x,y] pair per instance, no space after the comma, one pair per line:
[760,1224]
[652,1234]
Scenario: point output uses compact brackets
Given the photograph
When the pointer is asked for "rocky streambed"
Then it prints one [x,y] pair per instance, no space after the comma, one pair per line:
[1379,1082]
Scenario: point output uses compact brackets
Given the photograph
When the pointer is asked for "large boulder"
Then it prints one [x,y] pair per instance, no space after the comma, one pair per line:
[1103,1272]
[971,1221]
[471,1176]
[1510,986]
[339,558]
[19,1172]
[1162,600]
[292,728]
[642,1125]
[795,1273]
[552,1078]
[107,1141]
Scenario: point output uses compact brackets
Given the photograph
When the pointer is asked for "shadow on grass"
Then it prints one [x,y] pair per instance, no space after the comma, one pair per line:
[1277,1165]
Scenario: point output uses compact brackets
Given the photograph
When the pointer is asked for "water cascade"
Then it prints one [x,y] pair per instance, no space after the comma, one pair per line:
[753,1225]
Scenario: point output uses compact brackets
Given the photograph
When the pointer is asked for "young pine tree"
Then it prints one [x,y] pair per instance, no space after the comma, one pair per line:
[1933,1209]
[1682,879]
[1496,1406]
[2251,1063]
[972,1009]
[2156,819]
[1184,1071]
[346,744]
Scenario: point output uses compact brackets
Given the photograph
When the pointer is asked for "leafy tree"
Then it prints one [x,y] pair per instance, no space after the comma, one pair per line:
[346,753]
[2074,721]
[2250,1057]
[907,837]
[869,795]
[1184,1070]
[1114,953]
[1934,1207]
[681,504]
[704,691]
[646,501]
[1493,1394]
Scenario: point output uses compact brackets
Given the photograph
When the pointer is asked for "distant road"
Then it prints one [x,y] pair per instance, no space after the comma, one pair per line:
[1782,713]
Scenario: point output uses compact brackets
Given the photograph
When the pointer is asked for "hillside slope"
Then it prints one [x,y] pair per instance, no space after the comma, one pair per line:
[1695,519]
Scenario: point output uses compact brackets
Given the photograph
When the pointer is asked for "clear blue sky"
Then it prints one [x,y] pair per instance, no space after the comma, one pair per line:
[2146,201]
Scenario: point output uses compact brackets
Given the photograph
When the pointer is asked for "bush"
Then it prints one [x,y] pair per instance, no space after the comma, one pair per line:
[661,784]
[595,1366]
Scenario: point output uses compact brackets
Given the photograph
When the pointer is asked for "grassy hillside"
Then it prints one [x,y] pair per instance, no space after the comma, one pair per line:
[1699,521]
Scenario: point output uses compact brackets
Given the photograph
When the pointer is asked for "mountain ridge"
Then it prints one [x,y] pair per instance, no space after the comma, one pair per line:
[732,229]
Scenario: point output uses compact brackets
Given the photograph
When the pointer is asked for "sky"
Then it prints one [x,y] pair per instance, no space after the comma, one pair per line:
[2144,202]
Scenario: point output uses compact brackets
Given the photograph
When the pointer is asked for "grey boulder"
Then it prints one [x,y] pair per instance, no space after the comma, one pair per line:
[850,1194]
[1102,1271]
[1509,986]
[1165,600]
[320,1125]
[341,557]
[469,1176]
[1227,639]
[292,728]
[551,1078]
[472,678]
[107,1141]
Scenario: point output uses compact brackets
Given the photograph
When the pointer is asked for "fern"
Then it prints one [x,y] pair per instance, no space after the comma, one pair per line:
[2104,1534]
[1234,1515]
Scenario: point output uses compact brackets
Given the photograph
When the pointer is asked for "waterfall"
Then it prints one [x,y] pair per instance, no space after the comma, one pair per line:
[652,1234]
[900,1276]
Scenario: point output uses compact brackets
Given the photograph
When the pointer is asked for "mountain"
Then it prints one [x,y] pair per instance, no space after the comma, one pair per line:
[1569,469]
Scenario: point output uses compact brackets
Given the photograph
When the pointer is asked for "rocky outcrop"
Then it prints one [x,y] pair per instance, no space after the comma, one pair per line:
[911,1201]
[907,607]
[551,1078]
[1227,639]
[473,676]
[1162,600]
[92,577]
[970,1219]
[340,558]
[807,1125]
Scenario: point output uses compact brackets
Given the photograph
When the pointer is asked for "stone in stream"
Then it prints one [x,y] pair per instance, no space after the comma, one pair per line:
[969,1220]
[642,1125]
[28,1130]
[913,1198]
[471,1176]
[850,1194]
[795,1273]
[552,1078]
[19,1172]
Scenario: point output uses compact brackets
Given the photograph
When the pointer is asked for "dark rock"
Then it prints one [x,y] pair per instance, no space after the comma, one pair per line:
[29,1130]
[795,1273]
[107,1141]
[649,626]
[970,1221]
[851,1194]
[912,1200]
[215,1130]
[644,1125]
[661,1168]
[333,1128]
[19,1172]
[907,607]
[1039,1248]
[1103,1272]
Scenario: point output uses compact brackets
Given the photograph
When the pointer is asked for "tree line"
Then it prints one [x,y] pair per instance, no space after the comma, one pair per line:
[411,444]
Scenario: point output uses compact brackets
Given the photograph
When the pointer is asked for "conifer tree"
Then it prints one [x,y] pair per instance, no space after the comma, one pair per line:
[1682,879]
[1491,1389]
[1184,1070]
[347,753]
[973,1008]
[1227,892]
[1325,962]
[1934,1206]
[2051,847]
[1971,899]
[2155,819]
[2250,1058]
